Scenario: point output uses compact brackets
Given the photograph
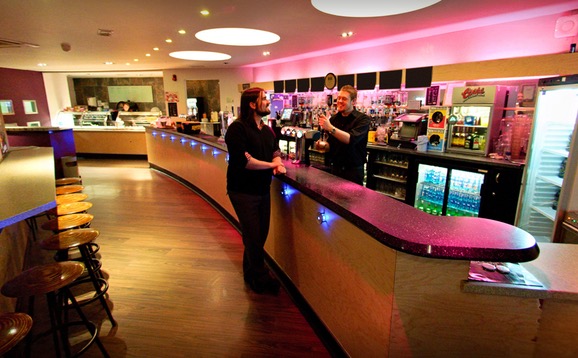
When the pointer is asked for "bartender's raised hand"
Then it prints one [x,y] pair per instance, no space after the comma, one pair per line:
[324,122]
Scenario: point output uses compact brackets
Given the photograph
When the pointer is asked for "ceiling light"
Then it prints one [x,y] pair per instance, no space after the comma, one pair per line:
[109,63]
[370,8]
[266,53]
[182,32]
[200,55]
[237,36]
[155,48]
[135,60]
[347,34]
[168,40]
[148,55]
[42,65]
[205,12]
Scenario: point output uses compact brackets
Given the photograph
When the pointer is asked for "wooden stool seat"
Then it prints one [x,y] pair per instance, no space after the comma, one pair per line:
[70,198]
[82,239]
[53,280]
[69,239]
[43,279]
[13,328]
[68,189]
[66,222]
[68,181]
[78,207]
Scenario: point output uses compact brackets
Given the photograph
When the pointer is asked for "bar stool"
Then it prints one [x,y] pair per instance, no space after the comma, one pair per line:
[82,239]
[53,281]
[66,222]
[69,189]
[14,327]
[70,198]
[78,207]
[69,181]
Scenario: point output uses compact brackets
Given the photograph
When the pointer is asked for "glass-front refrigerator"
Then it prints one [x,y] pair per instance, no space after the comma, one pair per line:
[448,191]
[550,178]
[475,117]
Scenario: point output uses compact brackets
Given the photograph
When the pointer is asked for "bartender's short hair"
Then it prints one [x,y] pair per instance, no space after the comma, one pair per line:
[351,90]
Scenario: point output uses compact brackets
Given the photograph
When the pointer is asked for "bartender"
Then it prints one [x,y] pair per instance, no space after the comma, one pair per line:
[348,137]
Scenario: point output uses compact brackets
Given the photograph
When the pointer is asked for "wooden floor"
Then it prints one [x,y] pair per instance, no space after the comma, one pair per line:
[175,274]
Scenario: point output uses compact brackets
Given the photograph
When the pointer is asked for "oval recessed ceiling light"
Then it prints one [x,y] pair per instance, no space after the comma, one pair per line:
[200,55]
[370,8]
[237,36]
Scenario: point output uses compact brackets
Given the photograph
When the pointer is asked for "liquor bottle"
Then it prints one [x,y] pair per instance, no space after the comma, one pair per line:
[475,141]
[468,141]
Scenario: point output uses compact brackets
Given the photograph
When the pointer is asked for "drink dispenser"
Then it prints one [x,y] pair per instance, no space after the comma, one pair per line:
[303,138]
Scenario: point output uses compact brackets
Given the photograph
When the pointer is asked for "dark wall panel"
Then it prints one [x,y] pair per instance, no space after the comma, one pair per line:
[390,79]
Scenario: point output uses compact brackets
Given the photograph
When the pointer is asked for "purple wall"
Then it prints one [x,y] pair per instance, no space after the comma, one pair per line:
[18,85]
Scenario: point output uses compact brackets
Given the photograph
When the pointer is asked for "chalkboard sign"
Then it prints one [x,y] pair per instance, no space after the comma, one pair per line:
[317,84]
[290,86]
[303,85]
[173,111]
[345,80]
[278,86]
[366,81]
[390,79]
[418,77]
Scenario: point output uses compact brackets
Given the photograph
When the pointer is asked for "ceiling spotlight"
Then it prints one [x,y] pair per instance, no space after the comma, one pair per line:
[103,32]
[347,34]
[182,32]
[42,65]
[237,36]
[266,53]
[155,48]
[205,12]
[148,55]
[168,41]
[370,8]
[109,63]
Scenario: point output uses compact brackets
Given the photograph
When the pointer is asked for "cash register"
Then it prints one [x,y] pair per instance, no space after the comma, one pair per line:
[411,125]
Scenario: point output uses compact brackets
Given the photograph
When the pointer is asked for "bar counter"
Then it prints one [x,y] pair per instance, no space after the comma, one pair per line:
[384,278]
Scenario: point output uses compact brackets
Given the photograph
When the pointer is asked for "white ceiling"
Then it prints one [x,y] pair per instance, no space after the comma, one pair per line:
[140,25]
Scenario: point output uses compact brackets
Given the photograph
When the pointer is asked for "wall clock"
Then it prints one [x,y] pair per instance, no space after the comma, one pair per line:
[330,81]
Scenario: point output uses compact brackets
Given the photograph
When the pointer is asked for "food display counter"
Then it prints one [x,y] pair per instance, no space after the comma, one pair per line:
[384,278]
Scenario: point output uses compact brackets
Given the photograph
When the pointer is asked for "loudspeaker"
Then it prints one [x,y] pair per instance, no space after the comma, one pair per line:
[566,26]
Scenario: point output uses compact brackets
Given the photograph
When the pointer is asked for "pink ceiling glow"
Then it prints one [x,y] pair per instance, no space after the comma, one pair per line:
[525,33]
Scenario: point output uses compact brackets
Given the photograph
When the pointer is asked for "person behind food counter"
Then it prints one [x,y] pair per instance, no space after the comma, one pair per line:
[348,131]
[254,156]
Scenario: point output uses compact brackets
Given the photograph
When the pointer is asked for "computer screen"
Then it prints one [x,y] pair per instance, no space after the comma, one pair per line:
[286,115]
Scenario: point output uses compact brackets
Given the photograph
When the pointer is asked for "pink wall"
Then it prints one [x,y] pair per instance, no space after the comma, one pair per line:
[18,85]
[529,37]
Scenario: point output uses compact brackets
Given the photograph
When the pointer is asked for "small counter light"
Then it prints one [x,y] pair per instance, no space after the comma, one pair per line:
[321,217]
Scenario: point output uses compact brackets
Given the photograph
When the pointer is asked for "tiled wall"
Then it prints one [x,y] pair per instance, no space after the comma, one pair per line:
[98,87]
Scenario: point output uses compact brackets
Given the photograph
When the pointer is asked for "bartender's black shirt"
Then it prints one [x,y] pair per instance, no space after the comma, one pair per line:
[244,138]
[354,154]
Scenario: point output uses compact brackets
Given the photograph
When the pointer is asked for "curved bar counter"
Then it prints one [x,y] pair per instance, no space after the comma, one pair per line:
[385,279]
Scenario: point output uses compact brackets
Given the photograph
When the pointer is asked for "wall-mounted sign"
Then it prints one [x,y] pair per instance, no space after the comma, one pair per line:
[171,97]
[432,95]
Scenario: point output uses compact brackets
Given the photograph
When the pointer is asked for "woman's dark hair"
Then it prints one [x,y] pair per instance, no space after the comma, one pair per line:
[250,95]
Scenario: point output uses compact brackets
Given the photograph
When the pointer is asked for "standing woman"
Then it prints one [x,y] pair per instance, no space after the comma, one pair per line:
[254,157]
